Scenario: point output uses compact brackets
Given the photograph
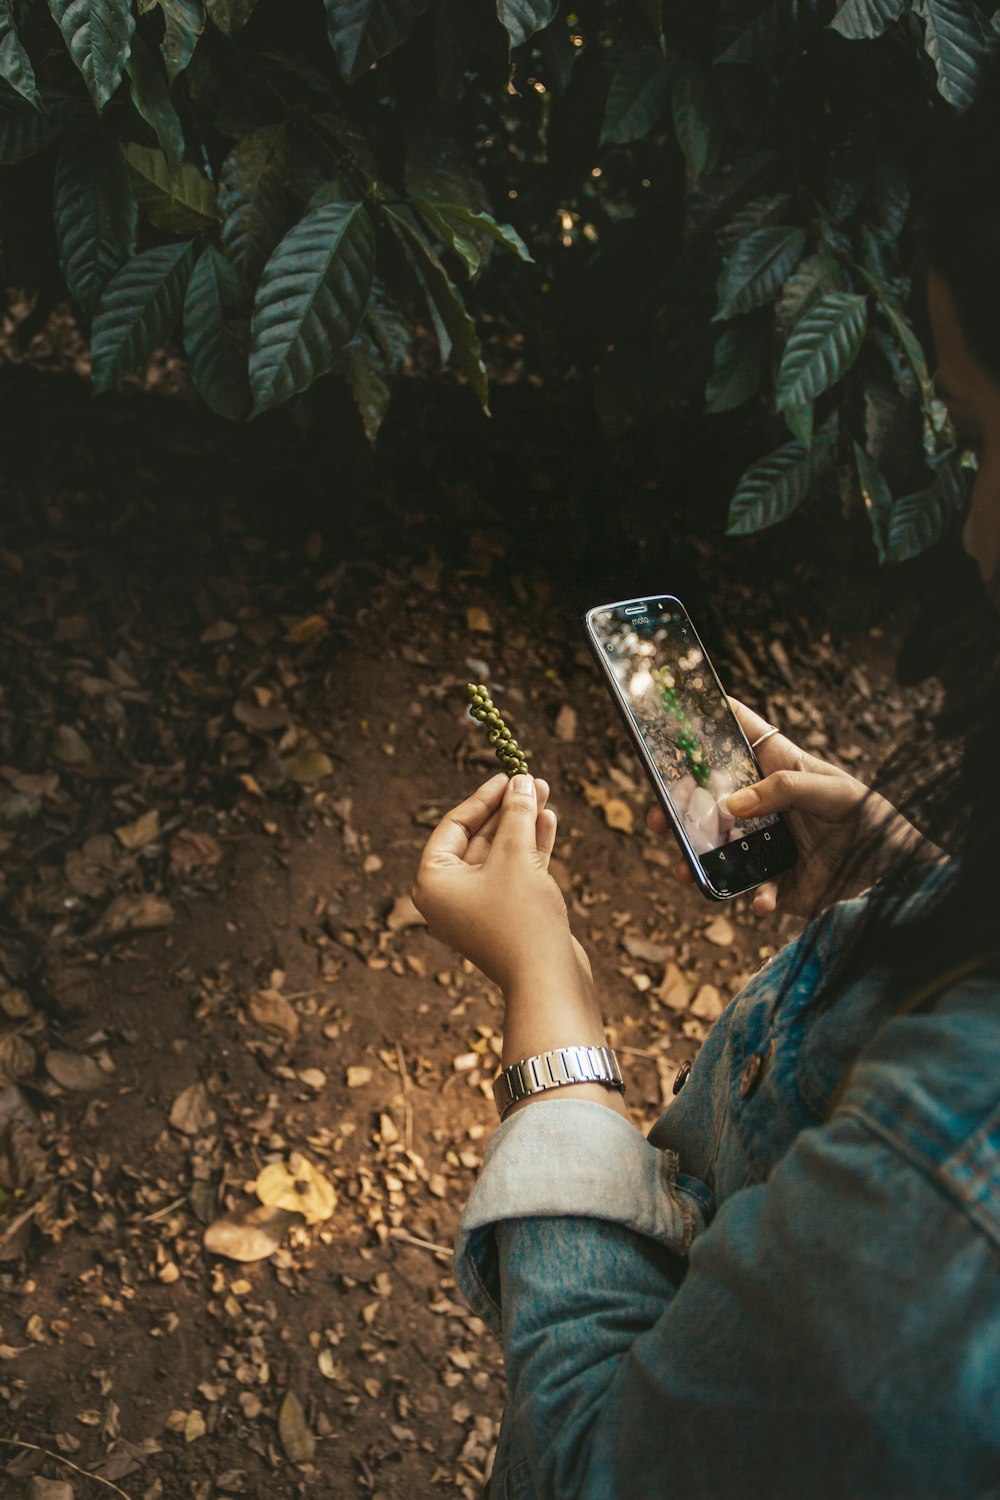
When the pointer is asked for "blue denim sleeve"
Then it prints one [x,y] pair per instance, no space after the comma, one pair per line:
[834,1333]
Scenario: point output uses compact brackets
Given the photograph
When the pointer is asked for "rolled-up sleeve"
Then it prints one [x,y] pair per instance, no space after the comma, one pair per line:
[793,1351]
[567,1157]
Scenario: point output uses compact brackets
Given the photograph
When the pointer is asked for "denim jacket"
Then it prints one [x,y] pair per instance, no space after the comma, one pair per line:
[757,1300]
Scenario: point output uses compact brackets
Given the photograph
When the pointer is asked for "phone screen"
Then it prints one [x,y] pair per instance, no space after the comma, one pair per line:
[670,692]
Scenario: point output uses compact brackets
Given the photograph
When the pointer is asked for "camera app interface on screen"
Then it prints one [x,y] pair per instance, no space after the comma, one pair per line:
[687,726]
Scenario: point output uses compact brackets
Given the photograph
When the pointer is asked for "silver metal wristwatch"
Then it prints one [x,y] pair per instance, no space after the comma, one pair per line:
[553,1070]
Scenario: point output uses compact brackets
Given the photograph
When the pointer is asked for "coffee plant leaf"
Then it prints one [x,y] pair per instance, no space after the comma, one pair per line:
[151,97]
[917,521]
[366,376]
[637,98]
[362,31]
[217,334]
[310,300]
[741,356]
[384,319]
[768,27]
[800,420]
[138,311]
[178,197]
[98,35]
[455,329]
[694,119]
[252,198]
[230,16]
[522,18]
[15,64]
[756,270]
[96,215]
[815,275]
[957,42]
[775,486]
[455,225]
[183,24]
[823,345]
[876,497]
[856,19]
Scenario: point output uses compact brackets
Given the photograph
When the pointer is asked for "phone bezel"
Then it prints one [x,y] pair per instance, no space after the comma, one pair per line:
[635,734]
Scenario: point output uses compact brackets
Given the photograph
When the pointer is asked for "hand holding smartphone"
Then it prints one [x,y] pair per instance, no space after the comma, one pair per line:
[689,741]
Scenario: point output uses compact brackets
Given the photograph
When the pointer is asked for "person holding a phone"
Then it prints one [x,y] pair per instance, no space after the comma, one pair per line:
[791,1287]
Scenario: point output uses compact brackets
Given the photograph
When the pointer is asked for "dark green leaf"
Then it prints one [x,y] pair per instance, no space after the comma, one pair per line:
[771,26]
[903,330]
[757,268]
[217,342]
[917,521]
[639,93]
[184,22]
[98,34]
[311,297]
[230,16]
[776,486]
[876,496]
[800,423]
[815,275]
[24,131]
[95,215]
[173,197]
[252,198]
[366,375]
[957,41]
[15,64]
[522,18]
[740,365]
[456,332]
[138,311]
[453,221]
[151,97]
[693,118]
[362,31]
[391,331]
[823,345]
[866,18]
[770,208]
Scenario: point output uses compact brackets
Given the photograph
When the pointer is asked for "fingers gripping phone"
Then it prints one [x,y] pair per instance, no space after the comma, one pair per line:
[689,740]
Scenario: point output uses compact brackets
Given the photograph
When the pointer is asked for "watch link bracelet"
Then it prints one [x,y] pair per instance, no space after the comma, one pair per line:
[553,1070]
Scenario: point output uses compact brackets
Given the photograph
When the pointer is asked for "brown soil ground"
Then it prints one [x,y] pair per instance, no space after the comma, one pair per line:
[265,643]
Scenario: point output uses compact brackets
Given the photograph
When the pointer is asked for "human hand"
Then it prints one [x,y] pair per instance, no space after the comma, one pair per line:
[484,886]
[828,812]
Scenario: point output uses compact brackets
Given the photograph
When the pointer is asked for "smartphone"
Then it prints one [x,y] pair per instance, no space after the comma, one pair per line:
[689,741]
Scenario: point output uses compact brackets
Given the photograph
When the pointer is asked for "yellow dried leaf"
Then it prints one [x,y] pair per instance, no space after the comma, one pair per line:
[299,1187]
[477,619]
[595,796]
[270,1009]
[191,1112]
[305,629]
[194,1427]
[618,814]
[142,831]
[296,1439]
[357,1077]
[720,932]
[307,765]
[250,1236]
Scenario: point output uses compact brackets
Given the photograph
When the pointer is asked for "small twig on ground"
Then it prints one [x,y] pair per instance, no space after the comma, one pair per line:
[162,1213]
[411,1239]
[58,1458]
[407,1104]
[639,1052]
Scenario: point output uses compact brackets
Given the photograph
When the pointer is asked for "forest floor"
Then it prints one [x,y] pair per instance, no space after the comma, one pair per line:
[233,706]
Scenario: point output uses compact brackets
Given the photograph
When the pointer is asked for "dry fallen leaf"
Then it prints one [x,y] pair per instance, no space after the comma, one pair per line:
[646,951]
[189,850]
[270,1009]
[673,989]
[305,629]
[707,1004]
[404,914]
[307,765]
[299,1187]
[140,832]
[131,913]
[357,1076]
[17,1057]
[296,1439]
[249,1236]
[74,1070]
[720,932]
[477,619]
[48,1489]
[566,723]
[618,814]
[191,1112]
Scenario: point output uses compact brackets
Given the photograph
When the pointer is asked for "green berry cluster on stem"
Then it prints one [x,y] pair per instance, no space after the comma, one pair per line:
[482,707]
